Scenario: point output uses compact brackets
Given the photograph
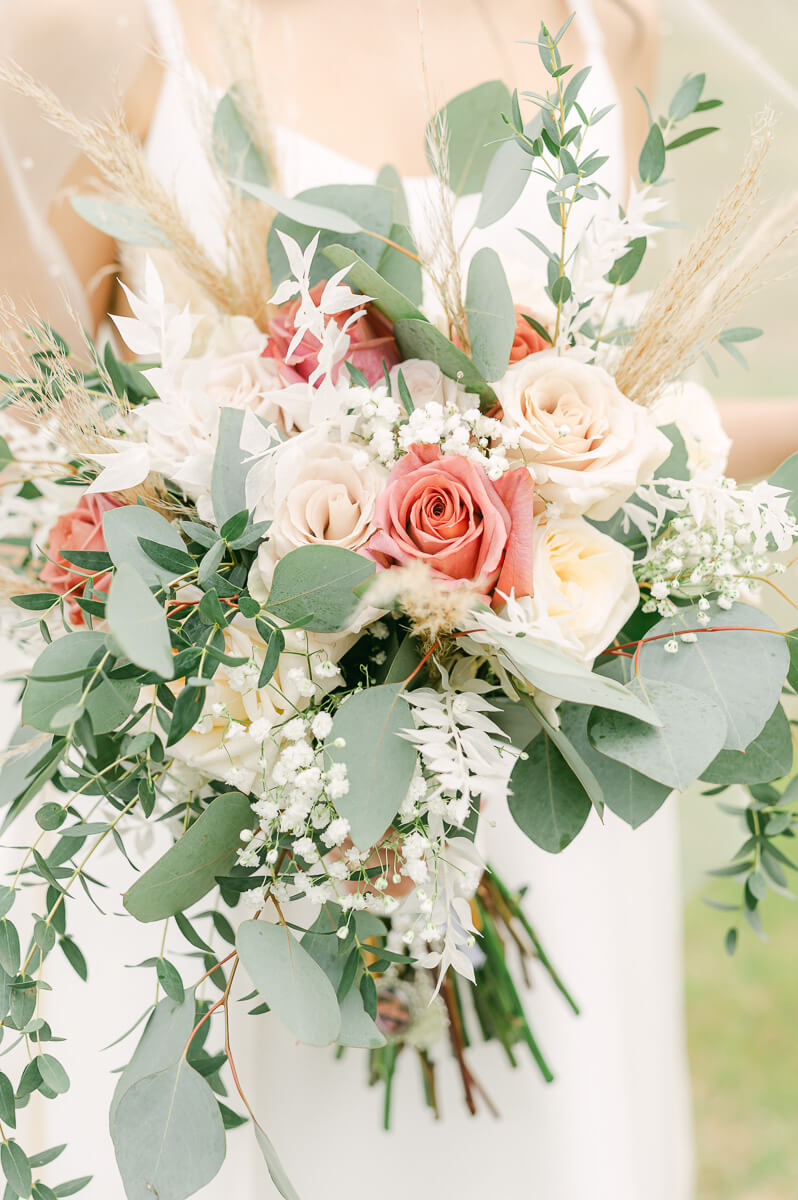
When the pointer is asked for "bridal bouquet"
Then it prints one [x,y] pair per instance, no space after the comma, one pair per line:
[317,585]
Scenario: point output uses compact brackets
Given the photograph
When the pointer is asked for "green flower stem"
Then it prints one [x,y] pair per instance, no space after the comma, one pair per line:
[545,961]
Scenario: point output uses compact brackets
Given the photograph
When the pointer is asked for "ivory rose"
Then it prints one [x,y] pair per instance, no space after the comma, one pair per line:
[585,587]
[427,384]
[237,737]
[80,529]
[587,445]
[330,499]
[370,342]
[445,512]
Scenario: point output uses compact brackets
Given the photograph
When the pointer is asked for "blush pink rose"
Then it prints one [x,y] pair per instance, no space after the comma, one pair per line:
[370,341]
[444,511]
[80,529]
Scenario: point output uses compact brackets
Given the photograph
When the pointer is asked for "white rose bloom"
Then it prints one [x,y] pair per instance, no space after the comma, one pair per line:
[220,745]
[427,384]
[585,587]
[324,499]
[692,409]
[588,446]
[182,425]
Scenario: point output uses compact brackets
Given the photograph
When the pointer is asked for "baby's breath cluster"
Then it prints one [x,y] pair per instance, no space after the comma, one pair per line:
[718,541]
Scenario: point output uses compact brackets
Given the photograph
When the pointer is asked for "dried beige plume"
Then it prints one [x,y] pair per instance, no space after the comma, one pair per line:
[434,606]
[725,263]
[48,386]
[121,161]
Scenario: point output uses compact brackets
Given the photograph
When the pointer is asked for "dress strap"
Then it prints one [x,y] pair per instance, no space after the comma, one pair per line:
[167,27]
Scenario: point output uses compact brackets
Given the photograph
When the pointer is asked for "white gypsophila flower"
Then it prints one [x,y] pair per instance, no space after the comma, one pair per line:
[587,445]
[221,741]
[692,409]
[717,540]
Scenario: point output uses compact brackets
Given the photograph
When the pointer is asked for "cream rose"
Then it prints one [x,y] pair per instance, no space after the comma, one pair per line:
[588,446]
[327,497]
[691,408]
[585,588]
[238,736]
[427,384]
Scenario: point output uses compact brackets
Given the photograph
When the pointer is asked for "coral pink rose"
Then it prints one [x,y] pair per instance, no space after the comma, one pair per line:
[80,529]
[370,341]
[444,511]
[527,340]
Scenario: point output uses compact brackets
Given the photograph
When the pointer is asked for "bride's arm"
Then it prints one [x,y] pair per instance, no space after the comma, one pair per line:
[763,434]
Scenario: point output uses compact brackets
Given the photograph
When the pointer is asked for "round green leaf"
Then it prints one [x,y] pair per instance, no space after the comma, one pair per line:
[631,796]
[122,528]
[491,314]
[316,585]
[290,981]
[168,1135]
[741,671]
[53,1074]
[768,757]
[16,1168]
[161,1044]
[675,753]
[546,800]
[379,761]
[59,678]
[123,222]
[474,132]
[138,622]
[189,869]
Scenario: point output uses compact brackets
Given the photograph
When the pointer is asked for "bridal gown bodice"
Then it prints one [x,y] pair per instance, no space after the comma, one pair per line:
[615,1123]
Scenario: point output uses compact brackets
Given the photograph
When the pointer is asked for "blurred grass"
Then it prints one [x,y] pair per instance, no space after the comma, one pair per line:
[742,1015]
[742,1011]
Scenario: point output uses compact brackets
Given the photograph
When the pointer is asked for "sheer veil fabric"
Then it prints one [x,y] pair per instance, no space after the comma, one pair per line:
[615,1124]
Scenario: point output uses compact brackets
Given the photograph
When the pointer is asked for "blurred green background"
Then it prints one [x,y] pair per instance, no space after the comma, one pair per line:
[742,1011]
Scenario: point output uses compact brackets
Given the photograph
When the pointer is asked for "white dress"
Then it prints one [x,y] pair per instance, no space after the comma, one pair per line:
[615,1124]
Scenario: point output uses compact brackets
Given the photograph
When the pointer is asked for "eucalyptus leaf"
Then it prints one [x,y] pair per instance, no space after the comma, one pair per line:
[138,622]
[168,1135]
[189,868]
[369,281]
[161,1044]
[368,207]
[58,679]
[786,476]
[741,671]
[420,339]
[768,757]
[316,216]
[379,761]
[122,222]
[506,178]
[233,146]
[674,754]
[290,981]
[547,801]
[402,271]
[473,129]
[316,585]
[557,674]
[491,314]
[16,1168]
[230,467]
[652,157]
[631,796]
[274,1166]
[122,527]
